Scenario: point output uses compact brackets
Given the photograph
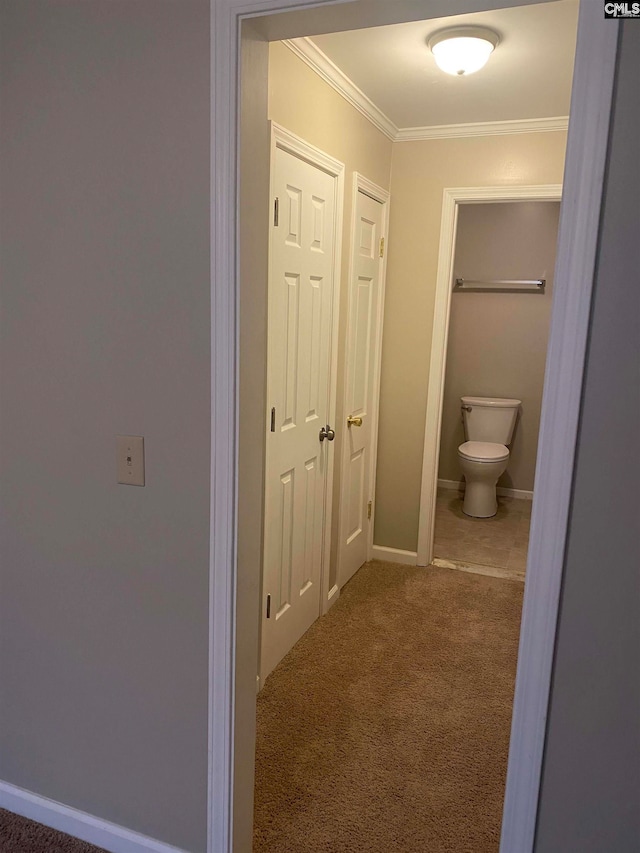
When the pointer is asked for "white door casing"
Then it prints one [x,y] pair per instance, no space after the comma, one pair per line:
[302,297]
[362,374]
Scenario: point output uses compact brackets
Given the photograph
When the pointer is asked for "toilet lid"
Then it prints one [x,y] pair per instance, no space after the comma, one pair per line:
[483,451]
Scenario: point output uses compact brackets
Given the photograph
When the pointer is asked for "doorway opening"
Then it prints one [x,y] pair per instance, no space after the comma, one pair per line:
[286,92]
[498,345]
[575,263]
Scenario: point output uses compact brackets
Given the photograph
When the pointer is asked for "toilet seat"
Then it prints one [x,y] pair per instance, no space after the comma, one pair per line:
[483,451]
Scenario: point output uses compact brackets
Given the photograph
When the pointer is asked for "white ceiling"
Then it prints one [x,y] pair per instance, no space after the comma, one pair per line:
[528,76]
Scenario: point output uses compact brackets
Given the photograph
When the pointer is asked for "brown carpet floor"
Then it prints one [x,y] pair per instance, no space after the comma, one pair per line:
[19,835]
[386,728]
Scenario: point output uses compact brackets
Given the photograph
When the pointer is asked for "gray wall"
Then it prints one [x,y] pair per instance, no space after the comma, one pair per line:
[497,343]
[105,330]
[591,775]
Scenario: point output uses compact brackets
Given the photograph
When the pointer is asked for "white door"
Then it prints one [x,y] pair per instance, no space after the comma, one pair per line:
[301,285]
[362,354]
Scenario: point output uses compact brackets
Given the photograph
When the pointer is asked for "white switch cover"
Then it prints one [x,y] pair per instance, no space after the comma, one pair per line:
[130,451]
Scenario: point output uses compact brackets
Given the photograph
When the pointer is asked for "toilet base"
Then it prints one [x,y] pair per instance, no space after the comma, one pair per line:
[480,500]
[481,479]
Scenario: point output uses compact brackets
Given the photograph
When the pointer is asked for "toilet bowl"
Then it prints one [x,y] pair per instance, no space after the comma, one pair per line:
[488,428]
[482,463]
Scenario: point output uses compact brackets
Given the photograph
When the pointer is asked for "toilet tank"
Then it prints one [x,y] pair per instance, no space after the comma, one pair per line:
[489,418]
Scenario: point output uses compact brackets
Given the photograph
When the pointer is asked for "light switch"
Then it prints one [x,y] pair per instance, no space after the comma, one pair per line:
[130,452]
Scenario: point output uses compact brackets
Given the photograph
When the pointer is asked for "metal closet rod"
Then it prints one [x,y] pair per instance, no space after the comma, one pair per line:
[532,285]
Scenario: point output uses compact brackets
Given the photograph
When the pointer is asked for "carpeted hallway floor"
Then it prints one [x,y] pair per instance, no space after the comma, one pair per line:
[19,835]
[386,728]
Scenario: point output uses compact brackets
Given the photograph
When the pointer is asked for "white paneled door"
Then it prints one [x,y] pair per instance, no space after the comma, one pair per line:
[301,292]
[362,354]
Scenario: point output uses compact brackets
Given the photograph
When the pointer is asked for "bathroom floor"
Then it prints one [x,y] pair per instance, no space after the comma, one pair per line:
[497,545]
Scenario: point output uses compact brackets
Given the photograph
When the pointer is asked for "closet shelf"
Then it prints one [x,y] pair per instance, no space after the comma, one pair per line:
[533,285]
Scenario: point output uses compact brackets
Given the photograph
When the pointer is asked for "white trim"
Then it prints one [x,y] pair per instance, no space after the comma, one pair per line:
[486,128]
[306,50]
[379,194]
[501,491]
[86,827]
[393,555]
[586,159]
[383,196]
[288,141]
[334,594]
[364,185]
[451,198]
[223,179]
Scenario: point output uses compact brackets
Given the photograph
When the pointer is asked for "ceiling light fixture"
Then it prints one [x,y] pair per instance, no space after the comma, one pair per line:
[463,50]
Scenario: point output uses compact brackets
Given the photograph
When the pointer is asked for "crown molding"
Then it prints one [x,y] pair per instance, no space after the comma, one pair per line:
[306,50]
[488,128]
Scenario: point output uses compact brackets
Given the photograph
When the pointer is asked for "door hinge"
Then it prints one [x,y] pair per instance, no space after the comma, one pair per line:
[276,211]
[382,247]
[273,419]
[268,607]
[369,510]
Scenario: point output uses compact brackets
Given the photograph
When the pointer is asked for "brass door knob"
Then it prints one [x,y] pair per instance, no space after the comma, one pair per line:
[351,421]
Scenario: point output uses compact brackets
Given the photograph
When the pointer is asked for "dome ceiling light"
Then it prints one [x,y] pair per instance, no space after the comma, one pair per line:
[462,50]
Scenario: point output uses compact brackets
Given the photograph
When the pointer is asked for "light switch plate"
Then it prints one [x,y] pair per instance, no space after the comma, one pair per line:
[130,453]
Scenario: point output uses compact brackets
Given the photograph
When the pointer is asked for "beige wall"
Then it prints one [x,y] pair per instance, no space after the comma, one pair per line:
[498,341]
[304,104]
[254,262]
[420,172]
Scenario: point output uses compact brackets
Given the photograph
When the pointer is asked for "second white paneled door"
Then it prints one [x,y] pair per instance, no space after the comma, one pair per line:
[299,433]
[363,346]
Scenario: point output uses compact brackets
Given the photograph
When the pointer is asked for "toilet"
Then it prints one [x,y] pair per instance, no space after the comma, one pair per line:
[484,456]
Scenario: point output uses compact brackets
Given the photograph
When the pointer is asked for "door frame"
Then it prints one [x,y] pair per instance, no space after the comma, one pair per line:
[379,194]
[452,198]
[228,745]
[298,147]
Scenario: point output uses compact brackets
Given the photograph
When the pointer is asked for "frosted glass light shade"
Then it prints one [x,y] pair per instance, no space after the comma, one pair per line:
[463,50]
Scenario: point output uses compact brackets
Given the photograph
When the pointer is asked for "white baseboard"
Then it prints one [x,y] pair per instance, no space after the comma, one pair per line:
[501,491]
[94,830]
[518,494]
[451,485]
[394,555]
